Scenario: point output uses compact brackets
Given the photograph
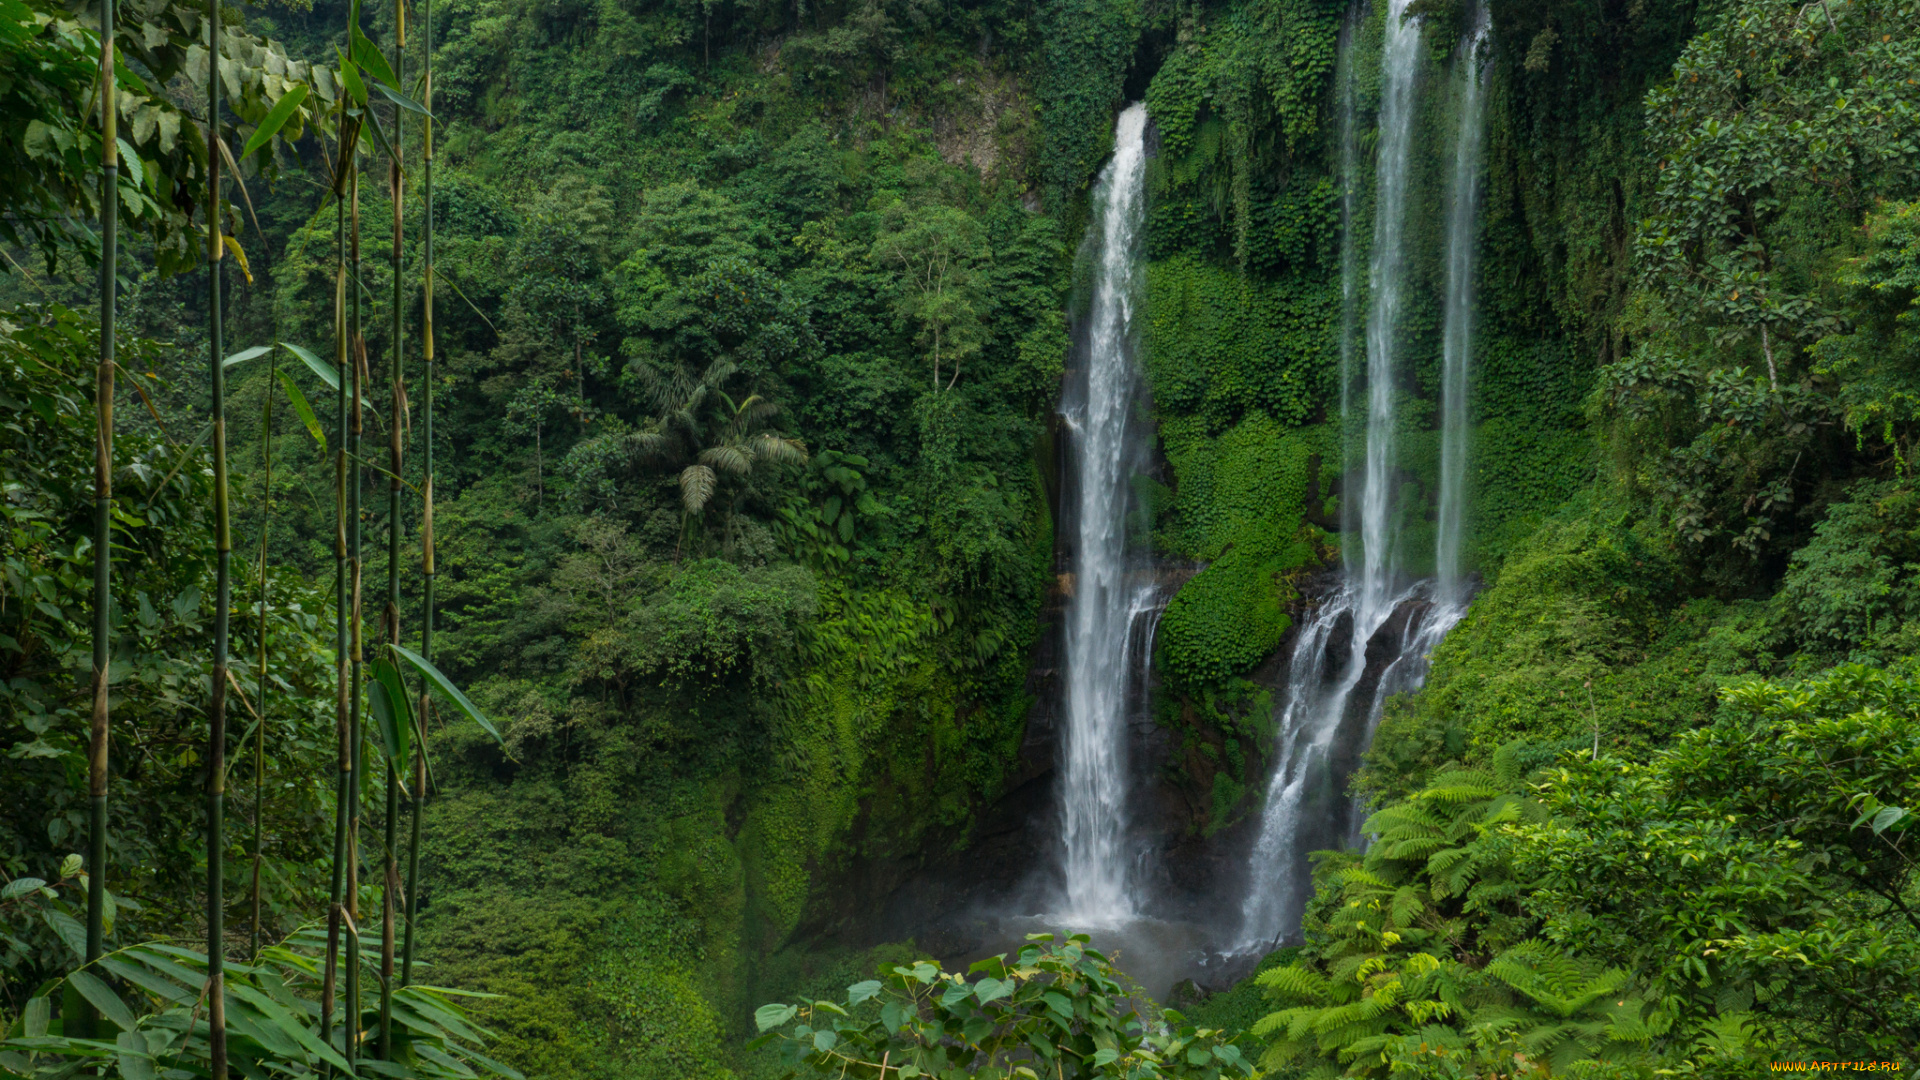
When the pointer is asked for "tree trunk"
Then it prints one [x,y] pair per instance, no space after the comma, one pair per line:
[426,506]
[216,756]
[102,501]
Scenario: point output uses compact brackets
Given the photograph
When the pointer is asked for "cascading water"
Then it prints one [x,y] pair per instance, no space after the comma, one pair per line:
[1108,599]
[1457,342]
[1372,638]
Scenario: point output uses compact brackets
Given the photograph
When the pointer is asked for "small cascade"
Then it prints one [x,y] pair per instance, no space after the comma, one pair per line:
[1111,600]
[1457,342]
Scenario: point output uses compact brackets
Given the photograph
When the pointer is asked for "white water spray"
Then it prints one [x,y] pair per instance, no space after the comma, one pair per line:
[1107,601]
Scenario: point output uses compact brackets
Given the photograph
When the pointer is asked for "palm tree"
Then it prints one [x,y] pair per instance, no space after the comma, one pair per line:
[718,438]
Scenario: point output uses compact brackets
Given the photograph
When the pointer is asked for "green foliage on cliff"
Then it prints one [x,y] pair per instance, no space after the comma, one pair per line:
[1729,900]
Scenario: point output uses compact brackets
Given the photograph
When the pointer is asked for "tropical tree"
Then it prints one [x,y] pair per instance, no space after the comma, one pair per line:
[941,253]
[1761,866]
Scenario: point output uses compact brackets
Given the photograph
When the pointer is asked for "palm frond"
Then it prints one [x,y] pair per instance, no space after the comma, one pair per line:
[696,487]
[778,450]
[728,458]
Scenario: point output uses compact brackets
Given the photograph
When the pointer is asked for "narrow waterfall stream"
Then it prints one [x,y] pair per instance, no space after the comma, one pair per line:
[1457,343]
[1110,601]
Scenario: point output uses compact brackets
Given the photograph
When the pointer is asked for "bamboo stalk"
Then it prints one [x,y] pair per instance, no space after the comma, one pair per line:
[260,671]
[103,497]
[355,734]
[343,790]
[426,502]
[396,430]
[223,582]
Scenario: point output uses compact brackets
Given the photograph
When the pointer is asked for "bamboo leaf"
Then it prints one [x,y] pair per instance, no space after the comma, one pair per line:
[327,374]
[350,74]
[292,1026]
[276,118]
[246,355]
[102,997]
[447,690]
[232,243]
[148,981]
[392,712]
[368,56]
[404,101]
[304,410]
[135,1062]
[380,140]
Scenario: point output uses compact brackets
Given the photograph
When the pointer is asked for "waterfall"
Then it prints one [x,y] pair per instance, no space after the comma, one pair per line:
[1372,638]
[1457,342]
[1106,601]
[1386,271]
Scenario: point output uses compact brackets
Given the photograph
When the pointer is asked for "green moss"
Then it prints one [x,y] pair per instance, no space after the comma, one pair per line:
[1240,505]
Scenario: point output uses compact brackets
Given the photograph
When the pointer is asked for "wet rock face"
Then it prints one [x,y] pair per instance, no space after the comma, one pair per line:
[1339,649]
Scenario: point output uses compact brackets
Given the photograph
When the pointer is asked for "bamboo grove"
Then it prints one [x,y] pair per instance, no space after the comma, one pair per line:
[303,1005]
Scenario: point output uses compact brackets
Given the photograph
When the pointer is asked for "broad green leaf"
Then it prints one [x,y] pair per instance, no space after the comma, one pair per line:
[891,1015]
[1105,1057]
[991,989]
[368,56]
[68,930]
[772,1016]
[862,991]
[148,981]
[135,1063]
[39,1013]
[20,887]
[350,75]
[102,997]
[130,161]
[824,1041]
[995,966]
[1886,818]
[291,1025]
[451,693]
[304,410]
[391,711]
[246,355]
[276,118]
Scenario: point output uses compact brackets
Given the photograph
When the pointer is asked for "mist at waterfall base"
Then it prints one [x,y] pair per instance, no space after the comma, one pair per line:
[1367,631]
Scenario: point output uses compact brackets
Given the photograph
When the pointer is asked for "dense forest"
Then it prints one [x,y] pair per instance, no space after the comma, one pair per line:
[545,537]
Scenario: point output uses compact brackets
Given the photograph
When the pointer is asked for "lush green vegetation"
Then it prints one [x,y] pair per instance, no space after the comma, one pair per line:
[749,322]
